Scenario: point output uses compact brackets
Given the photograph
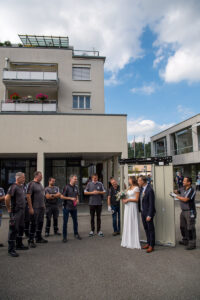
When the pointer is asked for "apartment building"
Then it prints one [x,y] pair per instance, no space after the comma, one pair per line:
[52,113]
[182,142]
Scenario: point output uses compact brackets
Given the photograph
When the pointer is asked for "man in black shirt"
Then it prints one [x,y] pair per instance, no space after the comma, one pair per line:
[186,195]
[70,201]
[15,203]
[95,190]
[2,198]
[52,196]
[114,205]
[35,198]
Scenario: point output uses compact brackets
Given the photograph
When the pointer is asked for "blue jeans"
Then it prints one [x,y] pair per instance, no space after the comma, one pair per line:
[116,218]
[73,213]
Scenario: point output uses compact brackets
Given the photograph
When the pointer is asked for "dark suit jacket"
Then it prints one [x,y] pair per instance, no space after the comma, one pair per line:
[148,202]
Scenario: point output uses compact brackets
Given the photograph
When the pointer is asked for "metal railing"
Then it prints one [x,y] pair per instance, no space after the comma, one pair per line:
[85,53]
[28,107]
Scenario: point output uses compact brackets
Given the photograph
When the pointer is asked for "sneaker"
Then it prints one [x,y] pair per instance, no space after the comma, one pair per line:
[32,244]
[91,233]
[100,233]
[13,253]
[46,234]
[64,240]
[22,247]
[57,233]
[41,241]
[115,234]
[77,236]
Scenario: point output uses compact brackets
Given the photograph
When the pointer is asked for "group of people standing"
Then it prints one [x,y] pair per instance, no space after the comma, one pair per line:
[27,204]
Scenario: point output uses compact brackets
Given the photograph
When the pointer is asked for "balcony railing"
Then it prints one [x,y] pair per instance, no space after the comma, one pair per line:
[85,53]
[50,106]
[31,76]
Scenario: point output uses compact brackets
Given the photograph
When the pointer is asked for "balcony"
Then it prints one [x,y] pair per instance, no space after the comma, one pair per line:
[50,106]
[29,78]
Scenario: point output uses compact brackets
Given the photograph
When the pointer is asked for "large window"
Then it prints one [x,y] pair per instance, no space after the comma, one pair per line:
[198,134]
[81,102]
[161,147]
[80,73]
[183,141]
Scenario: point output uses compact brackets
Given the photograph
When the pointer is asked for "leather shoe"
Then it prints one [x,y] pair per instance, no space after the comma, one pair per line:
[115,234]
[64,240]
[190,248]
[1,245]
[183,243]
[150,249]
[41,241]
[32,244]
[13,253]
[22,247]
[77,236]
[145,247]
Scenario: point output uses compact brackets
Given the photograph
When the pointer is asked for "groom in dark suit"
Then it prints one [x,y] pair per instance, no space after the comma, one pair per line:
[147,209]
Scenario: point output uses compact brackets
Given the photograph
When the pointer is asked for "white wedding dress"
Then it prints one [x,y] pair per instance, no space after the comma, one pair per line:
[130,236]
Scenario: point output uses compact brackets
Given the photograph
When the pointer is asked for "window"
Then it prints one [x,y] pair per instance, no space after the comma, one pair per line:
[183,141]
[81,73]
[81,102]
[161,147]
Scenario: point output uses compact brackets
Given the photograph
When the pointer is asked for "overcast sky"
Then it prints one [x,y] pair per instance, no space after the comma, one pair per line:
[152,71]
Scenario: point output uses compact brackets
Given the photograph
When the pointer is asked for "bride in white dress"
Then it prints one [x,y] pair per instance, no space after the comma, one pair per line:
[130,236]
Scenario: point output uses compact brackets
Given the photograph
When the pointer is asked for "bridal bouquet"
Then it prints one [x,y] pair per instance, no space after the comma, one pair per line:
[121,195]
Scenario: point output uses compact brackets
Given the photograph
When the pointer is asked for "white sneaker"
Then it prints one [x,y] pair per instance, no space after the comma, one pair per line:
[91,233]
[100,233]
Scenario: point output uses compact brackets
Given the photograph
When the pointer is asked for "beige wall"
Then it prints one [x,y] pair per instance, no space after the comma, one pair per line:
[63,134]
[67,86]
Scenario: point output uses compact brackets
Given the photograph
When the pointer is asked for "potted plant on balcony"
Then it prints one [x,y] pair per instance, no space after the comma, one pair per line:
[42,97]
[15,97]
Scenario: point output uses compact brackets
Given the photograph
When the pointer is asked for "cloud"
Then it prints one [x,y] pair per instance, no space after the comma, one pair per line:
[115,28]
[143,127]
[184,112]
[145,89]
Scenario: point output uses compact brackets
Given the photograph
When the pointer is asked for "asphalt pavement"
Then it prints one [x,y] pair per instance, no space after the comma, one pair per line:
[99,268]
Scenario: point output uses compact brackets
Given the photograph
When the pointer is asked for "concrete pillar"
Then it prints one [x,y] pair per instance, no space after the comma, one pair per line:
[116,167]
[195,139]
[169,148]
[105,174]
[110,169]
[40,164]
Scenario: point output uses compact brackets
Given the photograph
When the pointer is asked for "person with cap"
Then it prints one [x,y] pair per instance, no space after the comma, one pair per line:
[15,203]
[186,196]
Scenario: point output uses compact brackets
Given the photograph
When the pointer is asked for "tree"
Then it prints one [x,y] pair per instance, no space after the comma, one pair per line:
[139,149]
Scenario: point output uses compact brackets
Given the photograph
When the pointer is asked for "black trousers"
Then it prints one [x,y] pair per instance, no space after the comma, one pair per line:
[26,221]
[16,229]
[52,210]
[36,224]
[95,209]
[149,230]
[187,227]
